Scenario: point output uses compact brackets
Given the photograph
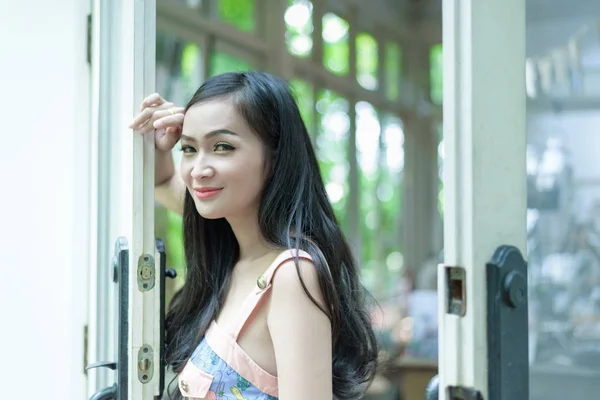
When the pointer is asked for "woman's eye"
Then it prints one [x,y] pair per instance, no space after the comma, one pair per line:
[223,147]
[187,148]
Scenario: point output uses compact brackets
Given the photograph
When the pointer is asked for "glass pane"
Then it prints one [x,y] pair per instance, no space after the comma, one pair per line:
[563,199]
[393,69]
[299,28]
[303,92]
[331,147]
[381,159]
[367,61]
[436,74]
[239,13]
[336,47]
[380,142]
[222,62]
[369,152]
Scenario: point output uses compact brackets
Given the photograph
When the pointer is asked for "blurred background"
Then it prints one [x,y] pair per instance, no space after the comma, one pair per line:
[368,79]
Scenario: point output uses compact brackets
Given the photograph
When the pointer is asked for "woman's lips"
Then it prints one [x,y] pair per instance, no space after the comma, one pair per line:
[205,193]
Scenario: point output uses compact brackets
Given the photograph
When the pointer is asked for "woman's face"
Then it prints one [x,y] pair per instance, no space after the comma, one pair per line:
[223,161]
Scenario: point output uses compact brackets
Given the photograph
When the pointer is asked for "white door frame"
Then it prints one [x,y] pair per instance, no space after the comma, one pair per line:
[484,169]
[123,59]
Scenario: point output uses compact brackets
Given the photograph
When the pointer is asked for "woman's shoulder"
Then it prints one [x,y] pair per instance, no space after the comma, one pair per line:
[293,274]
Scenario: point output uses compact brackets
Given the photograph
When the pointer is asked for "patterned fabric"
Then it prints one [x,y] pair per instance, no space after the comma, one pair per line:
[227,384]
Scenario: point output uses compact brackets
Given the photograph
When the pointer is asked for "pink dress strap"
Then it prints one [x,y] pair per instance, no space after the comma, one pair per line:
[263,284]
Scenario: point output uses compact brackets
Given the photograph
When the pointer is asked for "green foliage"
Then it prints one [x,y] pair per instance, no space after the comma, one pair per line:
[331,147]
[239,13]
[393,69]
[174,241]
[336,46]
[190,66]
[222,62]
[367,60]
[303,92]
[436,61]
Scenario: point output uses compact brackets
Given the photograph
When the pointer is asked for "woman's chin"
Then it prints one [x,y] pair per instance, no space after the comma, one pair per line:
[209,214]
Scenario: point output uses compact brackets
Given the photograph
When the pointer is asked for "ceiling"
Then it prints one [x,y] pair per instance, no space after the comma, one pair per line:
[401,16]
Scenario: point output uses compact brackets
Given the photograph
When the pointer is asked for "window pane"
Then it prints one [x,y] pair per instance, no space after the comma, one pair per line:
[303,92]
[381,160]
[367,60]
[436,74]
[331,147]
[299,28]
[336,47]
[239,13]
[393,69]
[368,133]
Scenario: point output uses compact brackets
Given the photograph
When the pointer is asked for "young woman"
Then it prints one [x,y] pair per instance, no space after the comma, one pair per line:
[272,305]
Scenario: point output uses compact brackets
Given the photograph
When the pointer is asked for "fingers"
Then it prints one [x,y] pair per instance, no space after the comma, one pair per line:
[153,100]
[145,120]
[172,117]
[167,141]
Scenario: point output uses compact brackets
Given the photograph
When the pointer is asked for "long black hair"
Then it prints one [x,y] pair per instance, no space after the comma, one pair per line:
[294,212]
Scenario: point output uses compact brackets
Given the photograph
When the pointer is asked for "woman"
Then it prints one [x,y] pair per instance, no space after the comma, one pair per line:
[272,306]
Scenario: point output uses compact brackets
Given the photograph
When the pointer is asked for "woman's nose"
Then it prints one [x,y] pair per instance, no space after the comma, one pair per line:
[202,168]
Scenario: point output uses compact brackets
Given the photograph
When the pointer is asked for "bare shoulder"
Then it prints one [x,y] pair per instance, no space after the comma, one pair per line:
[288,283]
[300,332]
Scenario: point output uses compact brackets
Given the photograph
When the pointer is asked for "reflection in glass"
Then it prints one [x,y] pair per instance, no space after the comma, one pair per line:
[563,254]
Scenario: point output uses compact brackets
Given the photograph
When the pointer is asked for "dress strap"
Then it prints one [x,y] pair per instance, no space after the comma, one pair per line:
[263,284]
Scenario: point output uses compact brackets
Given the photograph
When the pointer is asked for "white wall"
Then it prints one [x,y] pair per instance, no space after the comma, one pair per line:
[43,240]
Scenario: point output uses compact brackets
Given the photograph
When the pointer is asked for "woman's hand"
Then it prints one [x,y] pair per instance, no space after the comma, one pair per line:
[165,120]
[161,117]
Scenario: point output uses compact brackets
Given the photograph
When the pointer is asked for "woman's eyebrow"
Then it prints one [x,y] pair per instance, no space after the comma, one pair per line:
[210,134]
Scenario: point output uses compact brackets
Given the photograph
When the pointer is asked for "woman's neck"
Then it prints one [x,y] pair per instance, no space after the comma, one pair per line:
[252,243]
